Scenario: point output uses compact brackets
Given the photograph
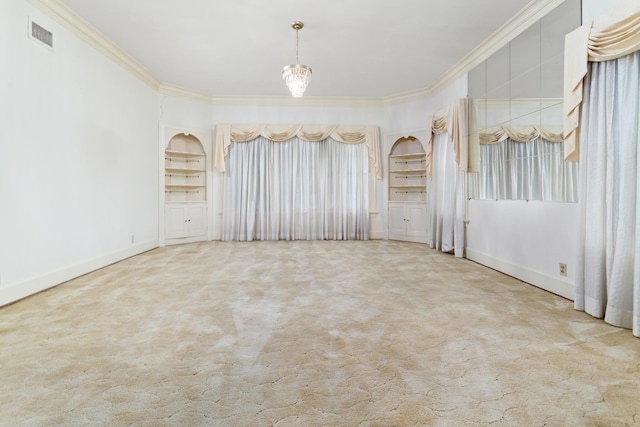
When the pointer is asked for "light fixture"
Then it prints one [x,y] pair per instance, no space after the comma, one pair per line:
[296,76]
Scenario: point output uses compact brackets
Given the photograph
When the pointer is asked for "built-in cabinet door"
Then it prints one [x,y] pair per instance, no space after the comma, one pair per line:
[416,220]
[408,221]
[185,220]
[176,221]
[397,219]
[197,223]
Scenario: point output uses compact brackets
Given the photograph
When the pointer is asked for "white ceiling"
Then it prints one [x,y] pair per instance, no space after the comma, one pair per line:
[356,48]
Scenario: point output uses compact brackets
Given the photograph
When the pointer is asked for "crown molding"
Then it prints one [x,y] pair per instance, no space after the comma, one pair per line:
[308,101]
[408,96]
[174,90]
[69,19]
[183,92]
[529,15]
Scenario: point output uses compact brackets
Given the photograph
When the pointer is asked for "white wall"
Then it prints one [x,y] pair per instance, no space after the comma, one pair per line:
[415,112]
[527,240]
[591,9]
[78,158]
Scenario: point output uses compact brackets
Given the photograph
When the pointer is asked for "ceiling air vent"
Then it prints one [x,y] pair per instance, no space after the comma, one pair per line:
[41,34]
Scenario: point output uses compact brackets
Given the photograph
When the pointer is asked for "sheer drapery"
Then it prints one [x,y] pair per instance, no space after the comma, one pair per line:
[535,170]
[446,200]
[452,150]
[608,265]
[608,37]
[296,190]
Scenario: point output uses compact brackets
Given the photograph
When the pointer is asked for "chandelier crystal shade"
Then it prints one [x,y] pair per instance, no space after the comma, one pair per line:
[296,76]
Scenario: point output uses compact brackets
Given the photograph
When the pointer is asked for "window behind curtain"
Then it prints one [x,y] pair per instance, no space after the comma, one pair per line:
[295,190]
[534,170]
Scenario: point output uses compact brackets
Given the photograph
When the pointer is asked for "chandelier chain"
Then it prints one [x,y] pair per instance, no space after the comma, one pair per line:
[297,44]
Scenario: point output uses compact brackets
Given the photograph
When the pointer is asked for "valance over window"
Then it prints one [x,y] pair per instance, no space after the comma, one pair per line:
[611,36]
[348,134]
[528,133]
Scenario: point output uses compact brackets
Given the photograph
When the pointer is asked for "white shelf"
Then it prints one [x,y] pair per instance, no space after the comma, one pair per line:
[178,186]
[185,170]
[410,156]
[409,171]
[182,154]
[409,187]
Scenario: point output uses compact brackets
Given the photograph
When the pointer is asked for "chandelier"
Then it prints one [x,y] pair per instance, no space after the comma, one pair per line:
[296,76]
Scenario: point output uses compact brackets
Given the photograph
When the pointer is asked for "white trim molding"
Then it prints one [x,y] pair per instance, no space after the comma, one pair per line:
[530,14]
[182,92]
[18,291]
[70,20]
[556,285]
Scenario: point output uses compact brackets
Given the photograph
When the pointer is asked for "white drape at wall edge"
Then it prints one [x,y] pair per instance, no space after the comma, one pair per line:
[608,261]
[455,121]
[348,134]
[452,150]
[611,36]
[445,199]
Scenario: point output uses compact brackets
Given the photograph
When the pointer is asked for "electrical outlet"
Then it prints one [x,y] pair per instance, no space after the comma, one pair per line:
[133,238]
[563,269]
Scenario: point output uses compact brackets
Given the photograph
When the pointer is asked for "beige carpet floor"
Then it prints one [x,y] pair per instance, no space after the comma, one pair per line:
[376,333]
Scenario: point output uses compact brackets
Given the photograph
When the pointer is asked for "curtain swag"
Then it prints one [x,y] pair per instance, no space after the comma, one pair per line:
[529,133]
[368,135]
[455,120]
[608,37]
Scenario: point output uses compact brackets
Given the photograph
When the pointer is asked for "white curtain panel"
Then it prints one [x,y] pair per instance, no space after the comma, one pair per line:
[535,170]
[445,194]
[608,270]
[610,36]
[296,190]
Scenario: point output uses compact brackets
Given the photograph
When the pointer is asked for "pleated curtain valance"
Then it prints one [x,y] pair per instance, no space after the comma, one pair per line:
[348,134]
[528,133]
[458,120]
[608,37]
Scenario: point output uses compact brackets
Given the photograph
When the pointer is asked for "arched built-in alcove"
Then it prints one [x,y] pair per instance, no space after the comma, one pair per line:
[407,186]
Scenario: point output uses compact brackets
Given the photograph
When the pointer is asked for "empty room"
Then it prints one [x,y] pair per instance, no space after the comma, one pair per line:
[298,213]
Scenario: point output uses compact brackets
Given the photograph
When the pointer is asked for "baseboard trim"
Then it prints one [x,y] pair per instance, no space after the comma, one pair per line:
[20,290]
[413,239]
[376,235]
[562,287]
[182,241]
